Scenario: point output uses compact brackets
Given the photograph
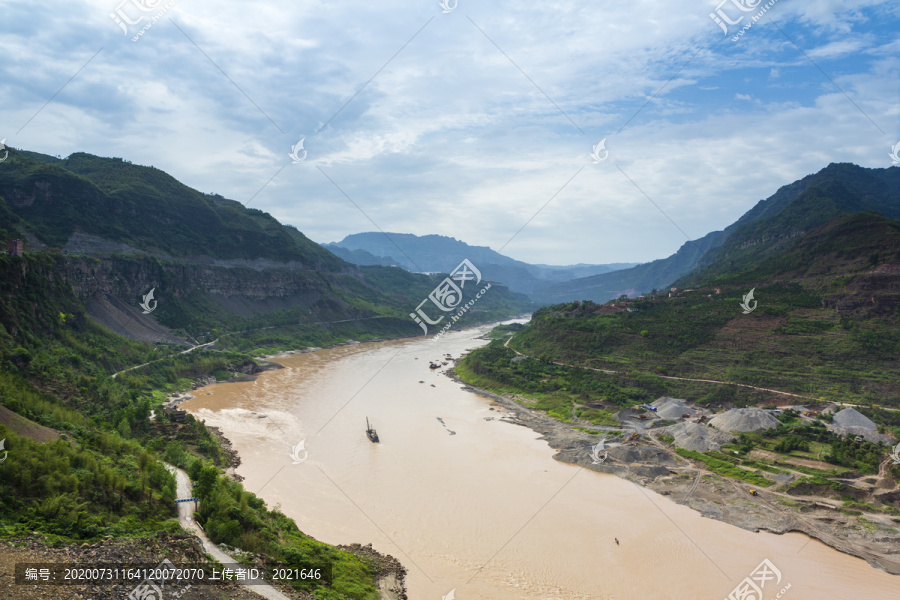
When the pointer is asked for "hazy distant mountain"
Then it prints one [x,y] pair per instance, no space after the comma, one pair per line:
[360,257]
[642,278]
[437,253]
[792,211]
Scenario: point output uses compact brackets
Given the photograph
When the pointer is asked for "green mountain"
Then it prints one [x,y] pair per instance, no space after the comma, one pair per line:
[792,211]
[771,227]
[146,209]
[436,253]
[211,263]
[88,354]
[826,291]
[825,324]
[802,299]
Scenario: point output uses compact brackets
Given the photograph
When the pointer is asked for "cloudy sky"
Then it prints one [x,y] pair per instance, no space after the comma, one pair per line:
[474,123]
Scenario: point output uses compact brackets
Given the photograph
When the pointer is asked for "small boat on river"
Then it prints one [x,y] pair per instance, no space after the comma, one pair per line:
[370,432]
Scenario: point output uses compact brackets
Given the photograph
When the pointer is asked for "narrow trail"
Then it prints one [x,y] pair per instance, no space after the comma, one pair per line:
[752,387]
[186,518]
[191,349]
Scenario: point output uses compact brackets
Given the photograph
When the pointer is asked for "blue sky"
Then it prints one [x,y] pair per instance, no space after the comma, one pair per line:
[471,123]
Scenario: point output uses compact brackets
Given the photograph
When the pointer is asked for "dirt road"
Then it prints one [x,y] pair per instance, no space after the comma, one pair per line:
[186,518]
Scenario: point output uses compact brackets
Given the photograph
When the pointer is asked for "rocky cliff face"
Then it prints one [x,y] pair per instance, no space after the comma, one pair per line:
[131,277]
[112,289]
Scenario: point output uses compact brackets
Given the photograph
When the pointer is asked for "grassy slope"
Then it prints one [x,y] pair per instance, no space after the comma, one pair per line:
[146,209]
[825,326]
[103,476]
[794,341]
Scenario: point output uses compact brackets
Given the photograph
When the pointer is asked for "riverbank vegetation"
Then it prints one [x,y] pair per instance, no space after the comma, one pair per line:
[83,455]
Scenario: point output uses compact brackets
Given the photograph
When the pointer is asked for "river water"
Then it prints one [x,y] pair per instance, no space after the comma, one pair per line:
[485,512]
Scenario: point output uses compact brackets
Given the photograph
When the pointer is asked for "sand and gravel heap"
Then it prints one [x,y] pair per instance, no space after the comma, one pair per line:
[850,417]
[700,438]
[852,422]
[671,408]
[741,420]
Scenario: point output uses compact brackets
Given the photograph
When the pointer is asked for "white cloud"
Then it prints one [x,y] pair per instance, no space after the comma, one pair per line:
[445,134]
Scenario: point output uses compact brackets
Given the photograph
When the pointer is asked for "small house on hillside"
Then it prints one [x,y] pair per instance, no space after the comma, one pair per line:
[15,247]
[175,415]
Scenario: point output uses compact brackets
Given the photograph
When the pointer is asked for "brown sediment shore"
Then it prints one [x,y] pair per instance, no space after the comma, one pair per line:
[389,572]
[651,463]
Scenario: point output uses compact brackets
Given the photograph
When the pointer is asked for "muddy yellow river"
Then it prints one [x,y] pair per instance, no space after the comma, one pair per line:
[485,512]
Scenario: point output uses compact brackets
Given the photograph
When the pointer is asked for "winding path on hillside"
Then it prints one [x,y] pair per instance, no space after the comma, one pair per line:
[186,518]
[752,387]
[191,349]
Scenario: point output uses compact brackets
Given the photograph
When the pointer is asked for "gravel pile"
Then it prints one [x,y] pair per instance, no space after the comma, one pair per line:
[696,437]
[850,417]
[853,423]
[867,434]
[641,454]
[671,408]
[741,420]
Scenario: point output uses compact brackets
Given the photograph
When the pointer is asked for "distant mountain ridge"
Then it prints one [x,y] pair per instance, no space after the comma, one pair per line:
[145,209]
[792,211]
[839,189]
[113,231]
[437,253]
